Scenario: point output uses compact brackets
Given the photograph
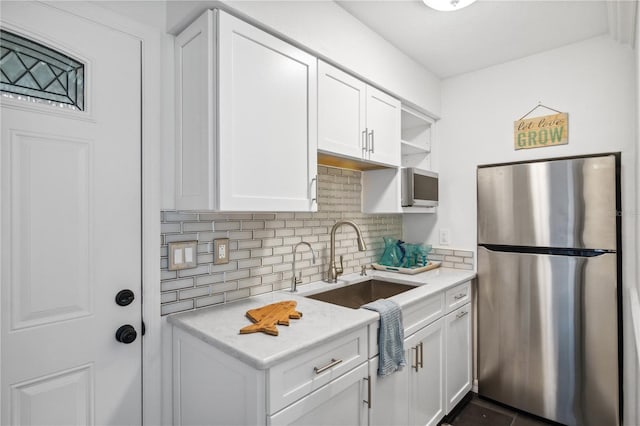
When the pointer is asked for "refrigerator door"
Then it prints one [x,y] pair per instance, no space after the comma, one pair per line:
[557,203]
[547,332]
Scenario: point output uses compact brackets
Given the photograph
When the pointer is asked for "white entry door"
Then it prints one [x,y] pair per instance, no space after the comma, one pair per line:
[71,226]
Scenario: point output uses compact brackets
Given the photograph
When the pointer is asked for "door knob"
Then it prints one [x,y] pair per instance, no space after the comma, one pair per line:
[125,297]
[126,334]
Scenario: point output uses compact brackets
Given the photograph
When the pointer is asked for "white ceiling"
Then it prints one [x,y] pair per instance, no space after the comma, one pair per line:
[486,33]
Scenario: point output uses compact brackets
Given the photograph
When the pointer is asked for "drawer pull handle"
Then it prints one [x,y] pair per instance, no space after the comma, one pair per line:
[417,362]
[421,355]
[459,296]
[333,363]
[461,314]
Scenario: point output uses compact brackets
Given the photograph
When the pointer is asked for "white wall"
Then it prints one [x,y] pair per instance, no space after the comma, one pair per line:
[334,34]
[594,81]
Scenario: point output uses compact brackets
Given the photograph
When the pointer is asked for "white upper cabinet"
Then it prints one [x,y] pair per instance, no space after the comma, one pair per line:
[246,119]
[356,120]
[341,112]
[383,127]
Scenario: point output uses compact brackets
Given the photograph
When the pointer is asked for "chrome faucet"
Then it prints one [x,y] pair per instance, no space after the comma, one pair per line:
[334,271]
[295,280]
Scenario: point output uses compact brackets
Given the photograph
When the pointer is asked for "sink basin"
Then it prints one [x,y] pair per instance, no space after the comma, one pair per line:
[356,295]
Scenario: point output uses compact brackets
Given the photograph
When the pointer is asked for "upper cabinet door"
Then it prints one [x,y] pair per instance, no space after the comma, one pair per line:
[267,99]
[248,103]
[356,120]
[341,112]
[383,126]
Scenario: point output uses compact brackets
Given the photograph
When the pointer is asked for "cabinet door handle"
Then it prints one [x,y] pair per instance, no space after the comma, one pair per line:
[333,363]
[461,314]
[315,179]
[372,149]
[368,400]
[365,142]
[459,296]
[421,355]
[416,365]
[316,197]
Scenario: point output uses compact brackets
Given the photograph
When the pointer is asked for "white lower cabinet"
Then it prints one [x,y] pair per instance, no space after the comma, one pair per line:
[458,372]
[326,385]
[341,402]
[438,372]
[426,378]
[335,383]
[414,395]
[389,396]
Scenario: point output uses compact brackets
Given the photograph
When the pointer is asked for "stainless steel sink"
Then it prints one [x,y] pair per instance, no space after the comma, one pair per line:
[356,295]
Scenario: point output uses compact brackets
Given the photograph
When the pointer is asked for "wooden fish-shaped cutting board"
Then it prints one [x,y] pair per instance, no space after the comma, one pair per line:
[266,317]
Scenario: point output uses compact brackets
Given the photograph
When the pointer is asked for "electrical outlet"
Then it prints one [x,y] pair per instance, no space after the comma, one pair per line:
[445,236]
[220,251]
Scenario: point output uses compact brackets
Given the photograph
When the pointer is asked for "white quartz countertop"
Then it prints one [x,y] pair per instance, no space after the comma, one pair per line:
[320,322]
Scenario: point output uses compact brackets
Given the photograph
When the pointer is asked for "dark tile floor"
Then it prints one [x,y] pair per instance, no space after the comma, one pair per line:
[480,412]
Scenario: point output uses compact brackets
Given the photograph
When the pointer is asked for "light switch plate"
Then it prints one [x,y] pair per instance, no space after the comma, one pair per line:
[183,255]
[220,251]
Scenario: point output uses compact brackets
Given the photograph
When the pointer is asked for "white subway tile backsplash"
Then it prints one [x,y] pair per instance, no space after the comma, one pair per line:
[226,226]
[201,302]
[261,245]
[238,294]
[170,308]
[249,263]
[255,224]
[197,226]
[170,216]
[194,292]
[198,270]
[236,275]
[170,285]
[209,279]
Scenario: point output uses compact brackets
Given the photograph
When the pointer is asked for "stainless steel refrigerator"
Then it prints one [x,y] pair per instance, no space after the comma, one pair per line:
[548,280]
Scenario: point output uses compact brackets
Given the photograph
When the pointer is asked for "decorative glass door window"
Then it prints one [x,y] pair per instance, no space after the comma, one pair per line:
[38,72]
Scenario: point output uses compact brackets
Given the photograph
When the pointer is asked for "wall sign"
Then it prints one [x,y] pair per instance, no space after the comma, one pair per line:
[536,132]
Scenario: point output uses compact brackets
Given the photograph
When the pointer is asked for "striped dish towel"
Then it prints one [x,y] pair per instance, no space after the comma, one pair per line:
[390,336]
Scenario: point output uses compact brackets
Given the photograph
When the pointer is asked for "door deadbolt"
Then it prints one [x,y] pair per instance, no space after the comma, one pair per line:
[125,297]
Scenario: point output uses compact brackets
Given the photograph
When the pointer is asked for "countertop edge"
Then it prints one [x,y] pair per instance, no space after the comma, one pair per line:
[368,317]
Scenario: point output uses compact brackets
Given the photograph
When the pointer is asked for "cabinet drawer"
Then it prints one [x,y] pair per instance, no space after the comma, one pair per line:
[297,377]
[414,317]
[341,402]
[458,296]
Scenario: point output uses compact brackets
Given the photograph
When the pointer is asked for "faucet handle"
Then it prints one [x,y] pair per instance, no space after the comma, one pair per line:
[363,270]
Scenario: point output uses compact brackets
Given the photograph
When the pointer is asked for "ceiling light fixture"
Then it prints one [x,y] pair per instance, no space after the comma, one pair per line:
[447,5]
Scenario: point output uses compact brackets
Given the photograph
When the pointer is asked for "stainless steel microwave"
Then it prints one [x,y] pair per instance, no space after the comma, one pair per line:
[419,188]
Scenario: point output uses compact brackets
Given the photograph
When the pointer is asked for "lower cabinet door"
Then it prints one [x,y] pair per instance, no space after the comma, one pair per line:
[389,396]
[458,325]
[341,402]
[426,374]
